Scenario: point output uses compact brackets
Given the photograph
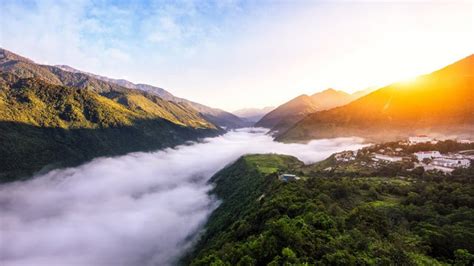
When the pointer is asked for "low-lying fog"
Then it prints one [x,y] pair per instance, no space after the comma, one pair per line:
[137,209]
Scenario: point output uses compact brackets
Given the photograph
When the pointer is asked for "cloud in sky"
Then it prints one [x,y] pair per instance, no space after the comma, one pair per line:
[137,209]
[270,50]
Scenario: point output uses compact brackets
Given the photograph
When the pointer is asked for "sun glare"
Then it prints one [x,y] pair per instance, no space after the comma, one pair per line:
[409,80]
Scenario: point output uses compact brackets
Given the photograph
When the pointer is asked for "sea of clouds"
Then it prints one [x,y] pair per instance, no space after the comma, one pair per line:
[136,209]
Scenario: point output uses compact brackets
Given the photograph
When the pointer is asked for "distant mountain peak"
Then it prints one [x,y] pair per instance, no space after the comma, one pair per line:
[252,115]
[289,113]
[329,90]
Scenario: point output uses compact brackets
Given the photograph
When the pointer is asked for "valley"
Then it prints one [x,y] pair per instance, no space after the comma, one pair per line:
[279,133]
[140,199]
[303,191]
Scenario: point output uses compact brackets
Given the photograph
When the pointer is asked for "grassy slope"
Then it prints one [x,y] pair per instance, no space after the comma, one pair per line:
[339,220]
[51,125]
[440,102]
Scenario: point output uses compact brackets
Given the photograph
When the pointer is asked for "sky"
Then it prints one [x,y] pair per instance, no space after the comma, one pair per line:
[236,54]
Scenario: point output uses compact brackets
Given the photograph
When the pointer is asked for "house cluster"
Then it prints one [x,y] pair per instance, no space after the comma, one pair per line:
[345,156]
[444,162]
[419,139]
[429,160]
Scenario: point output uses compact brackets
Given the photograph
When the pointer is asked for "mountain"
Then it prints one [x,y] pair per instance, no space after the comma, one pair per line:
[214,115]
[290,112]
[331,98]
[54,118]
[437,103]
[287,114]
[253,114]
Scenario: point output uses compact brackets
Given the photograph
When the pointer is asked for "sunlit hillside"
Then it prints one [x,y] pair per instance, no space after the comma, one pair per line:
[437,103]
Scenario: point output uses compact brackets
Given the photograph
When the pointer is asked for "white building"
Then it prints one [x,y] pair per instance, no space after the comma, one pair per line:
[288,177]
[451,162]
[437,167]
[427,155]
[345,156]
[465,141]
[419,139]
[386,158]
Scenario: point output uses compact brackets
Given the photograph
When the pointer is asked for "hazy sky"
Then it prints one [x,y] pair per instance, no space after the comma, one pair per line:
[234,54]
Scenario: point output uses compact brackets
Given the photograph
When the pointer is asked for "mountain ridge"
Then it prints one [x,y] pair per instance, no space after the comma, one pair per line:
[68,76]
[286,115]
[214,115]
[439,102]
[53,118]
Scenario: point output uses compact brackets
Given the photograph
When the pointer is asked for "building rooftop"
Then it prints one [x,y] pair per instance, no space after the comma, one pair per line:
[427,152]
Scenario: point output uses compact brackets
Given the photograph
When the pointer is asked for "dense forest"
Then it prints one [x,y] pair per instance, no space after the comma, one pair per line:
[421,218]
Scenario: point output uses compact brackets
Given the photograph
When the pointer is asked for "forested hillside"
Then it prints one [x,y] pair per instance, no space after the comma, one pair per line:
[44,126]
[214,115]
[336,218]
[67,76]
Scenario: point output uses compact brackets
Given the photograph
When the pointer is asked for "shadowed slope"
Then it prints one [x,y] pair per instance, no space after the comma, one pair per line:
[51,125]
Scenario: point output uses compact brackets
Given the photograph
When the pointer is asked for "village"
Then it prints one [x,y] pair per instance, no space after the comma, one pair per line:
[415,152]
[419,150]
